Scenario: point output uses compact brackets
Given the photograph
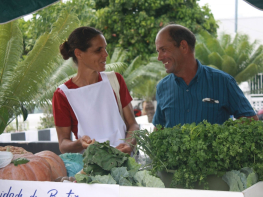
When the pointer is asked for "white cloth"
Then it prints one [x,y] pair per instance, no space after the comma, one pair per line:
[97,112]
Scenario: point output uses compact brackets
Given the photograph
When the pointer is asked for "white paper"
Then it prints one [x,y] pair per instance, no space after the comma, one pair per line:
[10,188]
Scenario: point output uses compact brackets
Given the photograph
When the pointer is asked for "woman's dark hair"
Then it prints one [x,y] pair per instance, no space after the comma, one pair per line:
[80,39]
[179,33]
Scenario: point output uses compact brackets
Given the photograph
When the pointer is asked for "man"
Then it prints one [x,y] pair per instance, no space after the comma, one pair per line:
[193,92]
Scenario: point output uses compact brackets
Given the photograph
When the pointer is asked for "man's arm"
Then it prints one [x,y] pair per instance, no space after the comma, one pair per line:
[254,117]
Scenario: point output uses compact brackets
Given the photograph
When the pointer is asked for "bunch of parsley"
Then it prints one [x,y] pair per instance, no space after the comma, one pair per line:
[192,152]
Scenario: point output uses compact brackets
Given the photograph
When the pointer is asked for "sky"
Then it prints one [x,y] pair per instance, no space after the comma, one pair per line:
[224,9]
[249,17]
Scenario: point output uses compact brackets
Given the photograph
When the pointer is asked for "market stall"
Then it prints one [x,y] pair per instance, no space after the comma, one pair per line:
[51,189]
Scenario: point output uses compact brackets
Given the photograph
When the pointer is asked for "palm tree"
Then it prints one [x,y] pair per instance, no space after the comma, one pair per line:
[142,82]
[22,79]
[237,57]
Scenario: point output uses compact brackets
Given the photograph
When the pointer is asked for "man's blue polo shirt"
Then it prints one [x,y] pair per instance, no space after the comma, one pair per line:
[178,103]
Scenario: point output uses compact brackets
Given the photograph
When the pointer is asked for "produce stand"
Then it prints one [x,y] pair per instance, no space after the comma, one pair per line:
[10,188]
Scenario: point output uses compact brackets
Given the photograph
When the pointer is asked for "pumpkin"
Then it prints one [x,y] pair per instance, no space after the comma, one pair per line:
[57,165]
[37,169]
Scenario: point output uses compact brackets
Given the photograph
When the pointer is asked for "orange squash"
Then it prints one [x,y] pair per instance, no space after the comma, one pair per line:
[57,165]
[37,169]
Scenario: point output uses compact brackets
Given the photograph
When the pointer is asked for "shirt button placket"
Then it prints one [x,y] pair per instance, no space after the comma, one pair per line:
[188,110]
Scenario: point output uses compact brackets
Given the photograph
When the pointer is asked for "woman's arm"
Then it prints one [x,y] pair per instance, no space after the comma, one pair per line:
[67,145]
[131,125]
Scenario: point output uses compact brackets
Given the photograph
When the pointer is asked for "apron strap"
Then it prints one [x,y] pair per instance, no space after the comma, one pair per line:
[63,87]
[116,88]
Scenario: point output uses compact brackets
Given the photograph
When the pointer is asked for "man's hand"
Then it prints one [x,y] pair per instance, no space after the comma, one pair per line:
[86,141]
[125,148]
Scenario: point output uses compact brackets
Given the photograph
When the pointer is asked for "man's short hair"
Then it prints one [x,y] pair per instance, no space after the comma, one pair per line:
[179,33]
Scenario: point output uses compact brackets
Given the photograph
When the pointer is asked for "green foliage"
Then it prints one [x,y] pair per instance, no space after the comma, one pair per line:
[193,151]
[21,79]
[19,161]
[133,24]
[103,155]
[111,166]
[240,180]
[130,24]
[144,179]
[236,57]
[43,20]
[47,121]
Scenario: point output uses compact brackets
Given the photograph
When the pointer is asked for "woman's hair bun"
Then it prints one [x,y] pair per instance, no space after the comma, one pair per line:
[65,50]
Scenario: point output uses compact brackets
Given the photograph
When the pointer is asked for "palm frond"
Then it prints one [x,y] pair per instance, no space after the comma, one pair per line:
[256,54]
[245,47]
[241,61]
[201,53]
[145,90]
[153,70]
[136,62]
[116,54]
[212,43]
[231,51]
[259,61]
[65,24]
[67,68]
[118,67]
[225,40]
[10,49]
[215,59]
[44,97]
[229,65]
[247,73]
[30,74]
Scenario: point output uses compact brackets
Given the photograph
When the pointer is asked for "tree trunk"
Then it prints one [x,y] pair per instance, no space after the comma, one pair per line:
[149,109]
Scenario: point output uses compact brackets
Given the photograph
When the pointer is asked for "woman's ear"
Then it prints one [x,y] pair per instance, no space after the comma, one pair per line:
[77,53]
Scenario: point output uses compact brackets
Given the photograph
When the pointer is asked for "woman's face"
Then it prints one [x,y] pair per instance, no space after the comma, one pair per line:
[95,56]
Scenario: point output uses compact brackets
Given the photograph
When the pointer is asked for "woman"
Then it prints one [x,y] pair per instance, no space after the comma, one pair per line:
[86,104]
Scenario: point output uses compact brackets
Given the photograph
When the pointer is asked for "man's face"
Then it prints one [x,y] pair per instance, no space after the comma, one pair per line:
[168,52]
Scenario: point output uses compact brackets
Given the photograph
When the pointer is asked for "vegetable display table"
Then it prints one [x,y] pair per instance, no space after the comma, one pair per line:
[9,188]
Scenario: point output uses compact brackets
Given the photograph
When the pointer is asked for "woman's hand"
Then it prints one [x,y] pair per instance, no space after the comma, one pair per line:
[125,148]
[86,141]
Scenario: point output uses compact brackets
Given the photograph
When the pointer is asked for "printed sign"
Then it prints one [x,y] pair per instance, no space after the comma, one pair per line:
[10,188]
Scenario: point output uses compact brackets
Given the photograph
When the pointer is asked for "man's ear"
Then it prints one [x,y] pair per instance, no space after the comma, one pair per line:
[77,53]
[184,46]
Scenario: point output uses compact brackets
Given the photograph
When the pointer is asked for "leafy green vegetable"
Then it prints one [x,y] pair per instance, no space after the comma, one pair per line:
[107,165]
[118,173]
[251,179]
[106,179]
[82,178]
[132,166]
[94,169]
[124,182]
[143,178]
[104,156]
[239,181]
[19,161]
[194,151]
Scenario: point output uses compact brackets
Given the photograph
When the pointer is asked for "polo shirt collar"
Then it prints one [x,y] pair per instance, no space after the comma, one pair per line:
[198,72]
